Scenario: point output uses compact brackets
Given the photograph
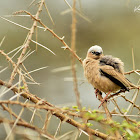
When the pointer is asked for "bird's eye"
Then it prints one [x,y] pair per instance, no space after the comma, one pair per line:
[93,52]
[96,53]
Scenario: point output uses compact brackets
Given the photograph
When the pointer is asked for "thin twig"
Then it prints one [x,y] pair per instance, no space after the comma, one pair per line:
[27,125]
[49,13]
[77,12]
[33,1]
[11,112]
[55,35]
[26,45]
[43,47]
[16,121]
[73,40]
[58,128]
[15,23]
[61,116]
[136,106]
[108,114]
[132,71]
[2,41]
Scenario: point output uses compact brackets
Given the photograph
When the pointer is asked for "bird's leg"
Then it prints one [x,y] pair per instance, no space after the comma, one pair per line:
[105,98]
[97,91]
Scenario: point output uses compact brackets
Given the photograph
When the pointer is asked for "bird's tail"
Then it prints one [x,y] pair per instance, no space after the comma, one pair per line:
[132,86]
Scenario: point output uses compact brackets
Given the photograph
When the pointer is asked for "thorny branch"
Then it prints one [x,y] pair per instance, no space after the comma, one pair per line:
[27,42]
[63,115]
[57,113]
[27,125]
[54,34]
[73,42]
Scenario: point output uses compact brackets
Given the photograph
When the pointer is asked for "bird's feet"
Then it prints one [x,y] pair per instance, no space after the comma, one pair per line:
[97,91]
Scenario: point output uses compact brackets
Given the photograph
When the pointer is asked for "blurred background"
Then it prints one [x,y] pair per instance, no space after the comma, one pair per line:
[113,25]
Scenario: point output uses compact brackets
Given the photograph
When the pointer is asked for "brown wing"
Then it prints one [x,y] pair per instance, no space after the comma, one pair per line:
[115,76]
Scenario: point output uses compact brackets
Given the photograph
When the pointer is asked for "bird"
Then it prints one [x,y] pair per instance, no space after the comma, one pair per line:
[105,72]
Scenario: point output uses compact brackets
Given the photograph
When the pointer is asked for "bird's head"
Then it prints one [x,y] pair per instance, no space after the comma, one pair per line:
[95,52]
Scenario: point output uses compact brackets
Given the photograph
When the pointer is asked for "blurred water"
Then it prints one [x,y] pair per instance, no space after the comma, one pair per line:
[114,26]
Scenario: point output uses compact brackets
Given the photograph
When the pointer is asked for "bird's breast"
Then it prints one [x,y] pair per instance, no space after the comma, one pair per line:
[94,77]
[91,71]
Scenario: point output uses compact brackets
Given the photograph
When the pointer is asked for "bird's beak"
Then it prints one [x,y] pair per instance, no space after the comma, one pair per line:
[97,53]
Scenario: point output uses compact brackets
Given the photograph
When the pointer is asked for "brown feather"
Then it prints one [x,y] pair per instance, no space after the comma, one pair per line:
[105,73]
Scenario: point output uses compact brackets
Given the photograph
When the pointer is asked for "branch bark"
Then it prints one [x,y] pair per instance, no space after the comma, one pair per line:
[58,114]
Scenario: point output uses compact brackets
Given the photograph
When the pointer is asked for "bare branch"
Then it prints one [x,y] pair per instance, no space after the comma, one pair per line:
[73,40]
[15,23]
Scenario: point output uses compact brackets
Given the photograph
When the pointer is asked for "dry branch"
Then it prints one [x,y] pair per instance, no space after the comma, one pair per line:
[27,125]
[73,42]
[27,43]
[63,115]
[54,34]
[132,71]
[56,112]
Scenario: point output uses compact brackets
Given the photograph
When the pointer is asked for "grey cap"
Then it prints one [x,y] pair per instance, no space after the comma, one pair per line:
[95,48]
